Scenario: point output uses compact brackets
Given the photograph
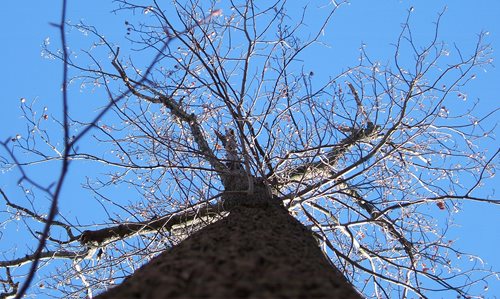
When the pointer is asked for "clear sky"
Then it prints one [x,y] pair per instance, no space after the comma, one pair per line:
[24,25]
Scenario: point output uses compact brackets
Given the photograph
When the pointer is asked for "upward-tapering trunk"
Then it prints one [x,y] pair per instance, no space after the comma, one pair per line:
[257,251]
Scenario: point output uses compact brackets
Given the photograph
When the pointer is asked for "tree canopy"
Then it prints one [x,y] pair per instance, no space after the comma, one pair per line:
[374,158]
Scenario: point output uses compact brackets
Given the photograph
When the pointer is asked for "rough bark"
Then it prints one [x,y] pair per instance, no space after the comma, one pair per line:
[257,251]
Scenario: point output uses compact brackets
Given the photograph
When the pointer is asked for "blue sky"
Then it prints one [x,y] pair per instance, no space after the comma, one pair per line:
[26,74]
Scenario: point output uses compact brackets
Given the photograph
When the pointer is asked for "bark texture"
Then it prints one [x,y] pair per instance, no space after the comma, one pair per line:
[257,251]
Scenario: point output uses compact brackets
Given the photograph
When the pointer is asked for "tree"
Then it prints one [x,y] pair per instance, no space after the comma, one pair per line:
[213,106]
[258,251]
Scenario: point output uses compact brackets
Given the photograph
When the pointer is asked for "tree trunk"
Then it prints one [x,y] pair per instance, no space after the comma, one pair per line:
[257,251]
